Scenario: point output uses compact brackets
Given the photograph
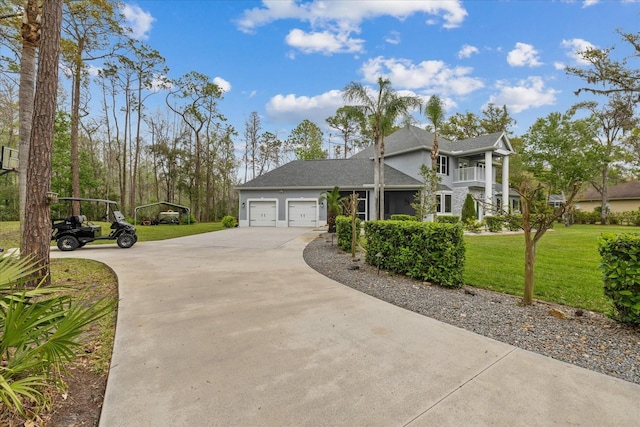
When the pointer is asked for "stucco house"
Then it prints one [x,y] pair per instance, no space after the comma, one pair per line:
[622,197]
[290,195]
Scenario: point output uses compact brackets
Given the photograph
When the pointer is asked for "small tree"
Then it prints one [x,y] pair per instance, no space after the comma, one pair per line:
[434,111]
[425,201]
[559,158]
[469,209]
[334,206]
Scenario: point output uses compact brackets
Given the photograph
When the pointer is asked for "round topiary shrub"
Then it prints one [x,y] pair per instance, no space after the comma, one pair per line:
[229,221]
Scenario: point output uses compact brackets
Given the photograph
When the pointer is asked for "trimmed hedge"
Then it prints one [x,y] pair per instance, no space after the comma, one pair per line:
[403,217]
[343,231]
[514,222]
[621,274]
[494,223]
[614,218]
[448,219]
[426,251]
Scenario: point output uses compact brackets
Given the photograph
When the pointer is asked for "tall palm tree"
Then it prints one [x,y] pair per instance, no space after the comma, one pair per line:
[434,111]
[382,109]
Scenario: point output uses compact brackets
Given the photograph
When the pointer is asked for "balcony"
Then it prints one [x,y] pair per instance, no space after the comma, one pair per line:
[473,174]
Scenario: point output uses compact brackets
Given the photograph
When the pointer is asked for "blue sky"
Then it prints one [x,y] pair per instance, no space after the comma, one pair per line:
[289,60]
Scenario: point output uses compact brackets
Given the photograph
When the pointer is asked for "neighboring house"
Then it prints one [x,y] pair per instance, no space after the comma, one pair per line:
[291,194]
[622,197]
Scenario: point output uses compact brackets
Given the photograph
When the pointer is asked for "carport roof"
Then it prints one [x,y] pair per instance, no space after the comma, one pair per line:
[324,174]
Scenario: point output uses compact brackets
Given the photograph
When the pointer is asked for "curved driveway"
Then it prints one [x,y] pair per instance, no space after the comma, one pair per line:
[232,328]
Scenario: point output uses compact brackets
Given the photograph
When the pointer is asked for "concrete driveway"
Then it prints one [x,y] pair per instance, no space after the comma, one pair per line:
[233,329]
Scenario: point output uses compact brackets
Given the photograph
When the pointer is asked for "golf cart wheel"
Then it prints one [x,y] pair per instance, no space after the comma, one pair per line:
[68,243]
[126,240]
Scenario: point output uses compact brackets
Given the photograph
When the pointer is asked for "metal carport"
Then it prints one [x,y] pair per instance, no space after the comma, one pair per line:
[186,210]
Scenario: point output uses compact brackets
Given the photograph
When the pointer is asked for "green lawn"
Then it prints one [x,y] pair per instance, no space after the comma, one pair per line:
[566,269]
[10,232]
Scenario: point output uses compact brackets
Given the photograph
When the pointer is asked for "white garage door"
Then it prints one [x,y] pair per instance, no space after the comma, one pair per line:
[303,213]
[262,213]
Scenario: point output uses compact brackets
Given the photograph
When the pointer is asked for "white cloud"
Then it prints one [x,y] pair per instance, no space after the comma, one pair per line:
[575,47]
[523,55]
[559,65]
[393,38]
[467,51]
[332,22]
[318,12]
[588,3]
[294,109]
[222,83]
[529,93]
[138,21]
[323,42]
[428,76]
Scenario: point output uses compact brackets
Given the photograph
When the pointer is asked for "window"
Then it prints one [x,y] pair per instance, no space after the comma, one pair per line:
[446,208]
[443,165]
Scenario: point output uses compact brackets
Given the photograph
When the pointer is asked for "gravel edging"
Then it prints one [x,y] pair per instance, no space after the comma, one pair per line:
[583,338]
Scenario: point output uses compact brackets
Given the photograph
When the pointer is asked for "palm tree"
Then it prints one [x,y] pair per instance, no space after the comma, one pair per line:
[334,206]
[434,111]
[382,109]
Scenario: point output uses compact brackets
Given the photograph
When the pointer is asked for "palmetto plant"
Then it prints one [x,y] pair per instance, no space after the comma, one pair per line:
[39,331]
[334,206]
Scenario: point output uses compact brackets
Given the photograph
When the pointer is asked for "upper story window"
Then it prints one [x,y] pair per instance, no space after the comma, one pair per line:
[443,165]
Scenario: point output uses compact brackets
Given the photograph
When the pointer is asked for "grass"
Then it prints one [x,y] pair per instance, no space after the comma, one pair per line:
[566,270]
[10,232]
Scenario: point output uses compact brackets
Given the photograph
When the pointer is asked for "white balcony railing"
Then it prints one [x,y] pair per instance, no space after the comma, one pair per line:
[469,175]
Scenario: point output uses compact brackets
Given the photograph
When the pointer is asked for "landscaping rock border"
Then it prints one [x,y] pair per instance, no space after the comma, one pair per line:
[583,338]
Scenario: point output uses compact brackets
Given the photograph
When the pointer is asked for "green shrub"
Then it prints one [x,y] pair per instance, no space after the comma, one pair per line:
[587,217]
[473,225]
[427,251]
[621,274]
[514,222]
[344,231]
[494,223]
[403,217]
[188,219]
[229,221]
[614,218]
[468,209]
[448,219]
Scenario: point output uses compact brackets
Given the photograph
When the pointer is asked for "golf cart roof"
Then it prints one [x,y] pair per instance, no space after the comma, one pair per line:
[82,199]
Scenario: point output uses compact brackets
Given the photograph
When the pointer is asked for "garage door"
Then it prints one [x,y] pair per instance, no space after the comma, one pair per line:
[262,213]
[303,213]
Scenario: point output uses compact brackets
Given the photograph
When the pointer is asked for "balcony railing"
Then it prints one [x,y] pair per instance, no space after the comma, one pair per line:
[469,175]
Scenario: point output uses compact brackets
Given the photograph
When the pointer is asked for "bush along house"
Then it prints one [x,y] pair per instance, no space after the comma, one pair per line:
[291,195]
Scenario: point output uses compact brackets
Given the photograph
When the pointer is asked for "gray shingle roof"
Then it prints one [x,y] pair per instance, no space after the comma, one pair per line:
[627,190]
[325,174]
[411,138]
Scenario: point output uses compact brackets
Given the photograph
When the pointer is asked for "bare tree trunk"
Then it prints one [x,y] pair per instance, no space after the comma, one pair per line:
[529,253]
[31,39]
[605,195]
[376,179]
[75,125]
[529,264]
[382,178]
[37,232]
[434,165]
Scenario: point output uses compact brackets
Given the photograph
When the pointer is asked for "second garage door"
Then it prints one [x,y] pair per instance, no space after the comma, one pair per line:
[303,213]
[262,213]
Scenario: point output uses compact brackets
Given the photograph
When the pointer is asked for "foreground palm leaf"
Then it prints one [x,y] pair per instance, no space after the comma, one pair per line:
[39,331]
